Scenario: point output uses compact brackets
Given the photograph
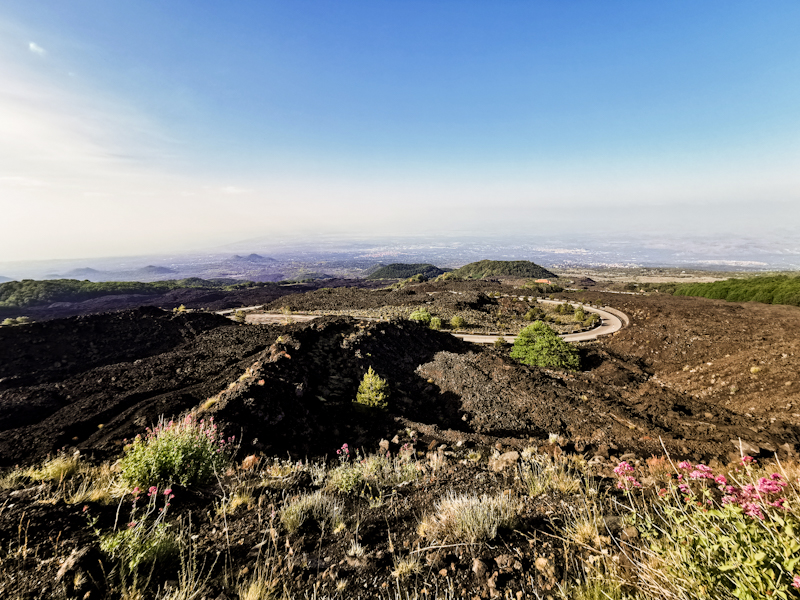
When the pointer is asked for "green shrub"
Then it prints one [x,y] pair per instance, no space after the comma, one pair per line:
[421,316]
[538,345]
[457,322]
[580,315]
[592,319]
[500,342]
[373,392]
[534,314]
[185,451]
[436,323]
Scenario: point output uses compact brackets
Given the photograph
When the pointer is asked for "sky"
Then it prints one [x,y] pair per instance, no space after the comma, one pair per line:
[137,127]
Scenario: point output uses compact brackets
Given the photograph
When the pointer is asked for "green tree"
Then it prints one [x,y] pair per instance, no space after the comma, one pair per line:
[421,316]
[373,391]
[538,345]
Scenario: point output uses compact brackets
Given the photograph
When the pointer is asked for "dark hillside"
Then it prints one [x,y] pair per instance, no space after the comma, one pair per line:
[504,268]
[404,271]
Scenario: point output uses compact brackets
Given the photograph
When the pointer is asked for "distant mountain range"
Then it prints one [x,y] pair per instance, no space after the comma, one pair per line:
[253,258]
[2,279]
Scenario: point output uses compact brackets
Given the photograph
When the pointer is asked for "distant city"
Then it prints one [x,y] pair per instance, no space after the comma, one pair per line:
[270,260]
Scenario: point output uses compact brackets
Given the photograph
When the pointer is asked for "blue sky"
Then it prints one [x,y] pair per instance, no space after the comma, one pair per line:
[137,127]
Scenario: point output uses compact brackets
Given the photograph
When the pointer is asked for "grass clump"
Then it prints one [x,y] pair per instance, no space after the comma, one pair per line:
[318,507]
[146,539]
[470,518]
[59,468]
[538,345]
[542,473]
[374,471]
[186,451]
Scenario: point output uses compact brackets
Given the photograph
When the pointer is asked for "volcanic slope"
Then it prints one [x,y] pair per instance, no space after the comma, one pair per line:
[289,388]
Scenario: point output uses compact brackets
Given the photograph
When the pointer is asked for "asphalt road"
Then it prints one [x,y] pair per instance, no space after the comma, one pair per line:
[611,320]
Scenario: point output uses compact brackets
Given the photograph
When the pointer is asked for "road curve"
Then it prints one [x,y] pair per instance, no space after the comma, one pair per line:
[611,320]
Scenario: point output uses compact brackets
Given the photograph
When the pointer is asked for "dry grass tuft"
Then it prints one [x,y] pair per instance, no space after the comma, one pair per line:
[470,518]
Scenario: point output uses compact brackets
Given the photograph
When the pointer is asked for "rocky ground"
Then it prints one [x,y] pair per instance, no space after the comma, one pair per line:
[701,379]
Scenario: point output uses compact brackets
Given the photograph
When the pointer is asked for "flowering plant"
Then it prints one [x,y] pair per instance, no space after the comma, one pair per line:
[736,533]
[186,451]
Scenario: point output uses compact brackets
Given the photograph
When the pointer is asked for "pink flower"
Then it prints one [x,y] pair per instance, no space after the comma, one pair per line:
[779,503]
[720,479]
[623,468]
[167,491]
[685,465]
[796,581]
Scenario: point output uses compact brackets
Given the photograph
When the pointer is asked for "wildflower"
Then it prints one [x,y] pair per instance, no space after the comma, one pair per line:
[623,468]
[796,581]
[85,507]
[167,491]
[720,479]
[779,503]
[662,492]
[685,465]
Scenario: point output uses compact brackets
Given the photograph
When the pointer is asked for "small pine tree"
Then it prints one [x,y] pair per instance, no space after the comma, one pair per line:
[373,391]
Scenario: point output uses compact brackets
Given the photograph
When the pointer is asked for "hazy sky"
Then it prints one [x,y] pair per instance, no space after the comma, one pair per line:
[135,127]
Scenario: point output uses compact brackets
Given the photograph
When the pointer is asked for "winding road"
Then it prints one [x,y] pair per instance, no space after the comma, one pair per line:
[611,320]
